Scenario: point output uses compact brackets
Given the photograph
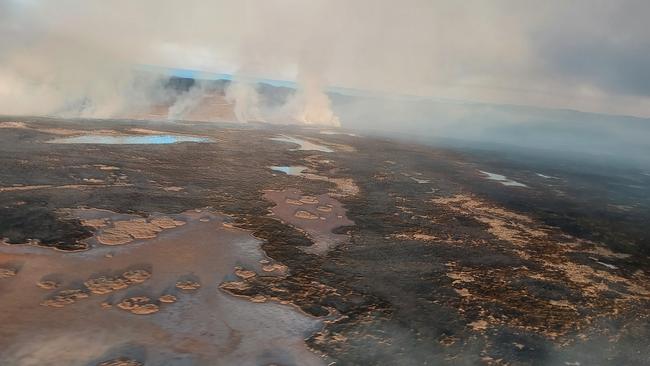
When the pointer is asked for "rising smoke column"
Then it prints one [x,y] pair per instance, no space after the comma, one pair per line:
[245,99]
[310,104]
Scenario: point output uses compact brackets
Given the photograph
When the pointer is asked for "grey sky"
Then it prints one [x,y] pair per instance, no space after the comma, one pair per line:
[607,46]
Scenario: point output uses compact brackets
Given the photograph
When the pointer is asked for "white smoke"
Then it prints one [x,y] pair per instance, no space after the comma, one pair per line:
[76,56]
[310,105]
[186,102]
[246,101]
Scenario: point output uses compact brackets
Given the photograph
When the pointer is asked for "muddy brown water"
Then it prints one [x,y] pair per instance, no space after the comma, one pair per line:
[204,327]
[316,215]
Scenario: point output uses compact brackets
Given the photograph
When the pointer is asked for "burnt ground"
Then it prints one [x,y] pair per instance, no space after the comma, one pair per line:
[442,266]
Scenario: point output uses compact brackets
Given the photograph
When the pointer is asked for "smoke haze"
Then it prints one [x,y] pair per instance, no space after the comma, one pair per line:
[80,58]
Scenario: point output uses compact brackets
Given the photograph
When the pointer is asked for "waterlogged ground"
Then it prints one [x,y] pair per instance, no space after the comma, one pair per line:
[194,325]
[313,248]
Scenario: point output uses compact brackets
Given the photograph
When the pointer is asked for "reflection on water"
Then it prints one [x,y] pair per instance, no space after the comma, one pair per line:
[546,176]
[420,181]
[502,179]
[203,327]
[289,170]
[303,145]
[128,140]
[327,132]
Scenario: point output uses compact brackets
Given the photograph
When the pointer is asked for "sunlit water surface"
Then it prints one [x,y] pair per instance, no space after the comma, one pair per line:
[502,179]
[289,170]
[302,144]
[128,140]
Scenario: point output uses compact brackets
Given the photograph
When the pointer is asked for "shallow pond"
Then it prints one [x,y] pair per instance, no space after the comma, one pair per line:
[128,140]
[328,132]
[289,170]
[502,179]
[545,176]
[303,144]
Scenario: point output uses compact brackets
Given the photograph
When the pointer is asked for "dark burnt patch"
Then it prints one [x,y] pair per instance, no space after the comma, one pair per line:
[26,222]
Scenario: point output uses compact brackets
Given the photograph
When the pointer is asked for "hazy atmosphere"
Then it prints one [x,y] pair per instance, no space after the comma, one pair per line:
[584,55]
[324,182]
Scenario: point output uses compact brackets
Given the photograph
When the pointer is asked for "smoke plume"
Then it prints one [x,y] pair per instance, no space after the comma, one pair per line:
[78,57]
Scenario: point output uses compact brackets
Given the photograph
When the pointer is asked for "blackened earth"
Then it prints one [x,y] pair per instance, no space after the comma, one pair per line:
[441,267]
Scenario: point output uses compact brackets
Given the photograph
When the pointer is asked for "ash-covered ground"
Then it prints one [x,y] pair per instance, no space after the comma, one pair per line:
[374,252]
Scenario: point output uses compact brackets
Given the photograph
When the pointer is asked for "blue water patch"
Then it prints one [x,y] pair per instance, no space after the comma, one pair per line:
[128,140]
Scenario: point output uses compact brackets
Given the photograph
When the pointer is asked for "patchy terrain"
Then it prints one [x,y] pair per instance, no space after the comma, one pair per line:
[372,252]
